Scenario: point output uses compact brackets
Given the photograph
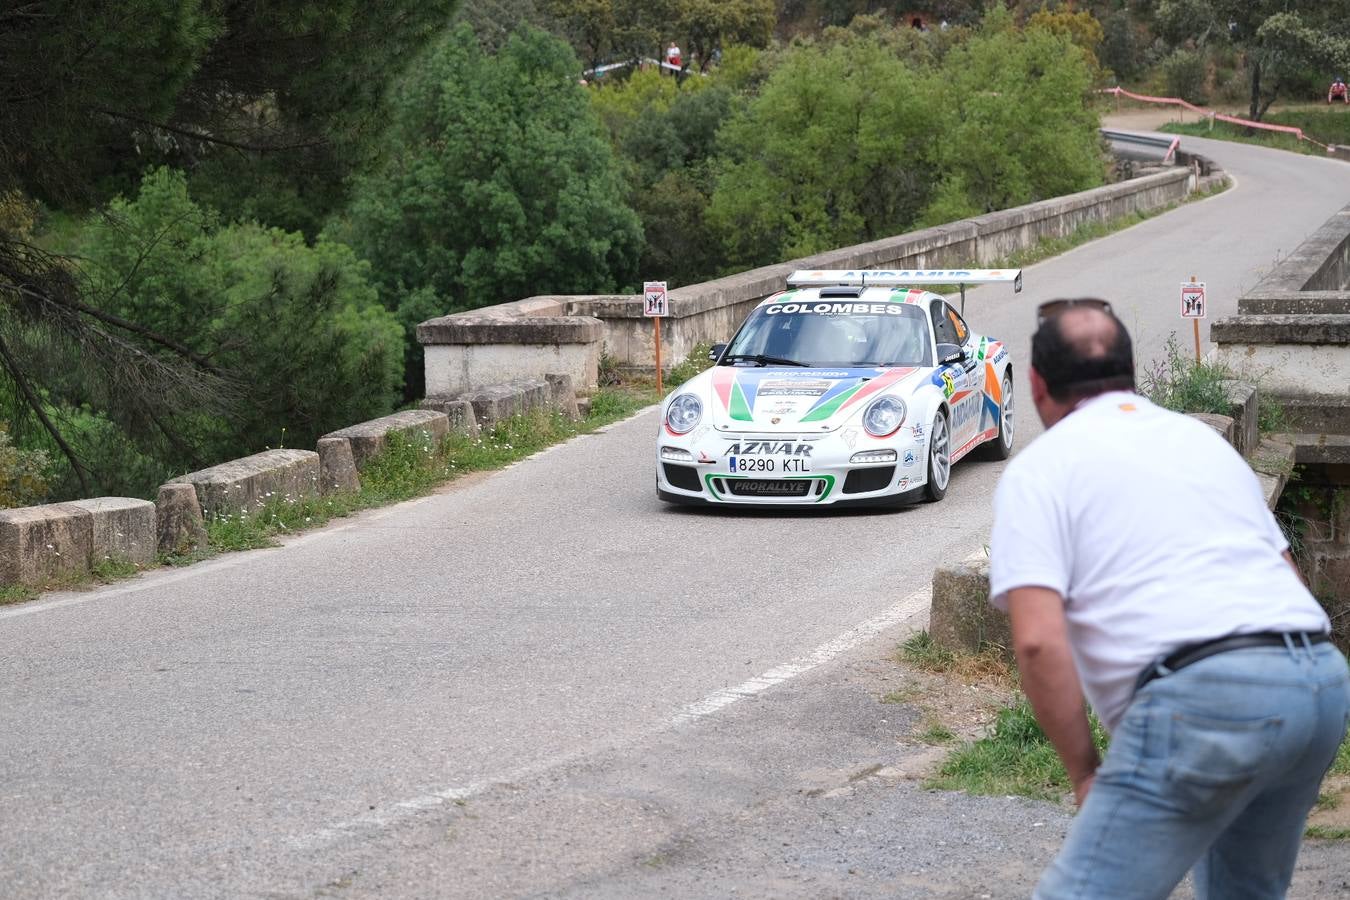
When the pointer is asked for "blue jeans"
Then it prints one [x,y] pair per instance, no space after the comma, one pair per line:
[1213,767]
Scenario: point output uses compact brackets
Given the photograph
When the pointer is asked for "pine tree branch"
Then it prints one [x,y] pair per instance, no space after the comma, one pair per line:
[35,404]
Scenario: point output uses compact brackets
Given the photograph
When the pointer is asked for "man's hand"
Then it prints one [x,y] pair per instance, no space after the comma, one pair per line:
[1041,640]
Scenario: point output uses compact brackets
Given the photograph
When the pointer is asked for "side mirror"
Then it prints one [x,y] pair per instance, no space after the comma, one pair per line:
[948,354]
[715,352]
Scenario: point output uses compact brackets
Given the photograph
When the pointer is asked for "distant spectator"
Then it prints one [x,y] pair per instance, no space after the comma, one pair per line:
[1338,90]
[673,57]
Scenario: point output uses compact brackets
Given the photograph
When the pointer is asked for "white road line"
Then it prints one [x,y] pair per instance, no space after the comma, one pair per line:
[911,606]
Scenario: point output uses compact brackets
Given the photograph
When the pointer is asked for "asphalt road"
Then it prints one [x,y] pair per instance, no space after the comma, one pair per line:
[543,682]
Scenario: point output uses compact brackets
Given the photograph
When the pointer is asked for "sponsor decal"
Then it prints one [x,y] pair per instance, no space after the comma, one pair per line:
[909,459]
[964,412]
[903,483]
[1000,356]
[948,383]
[850,436]
[1128,407]
[792,388]
[768,448]
[834,309]
[918,431]
[704,459]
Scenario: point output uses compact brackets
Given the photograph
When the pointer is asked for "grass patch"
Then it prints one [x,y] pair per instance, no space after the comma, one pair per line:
[111,569]
[1015,758]
[902,697]
[989,665]
[1342,764]
[937,733]
[16,593]
[1330,126]
[1327,801]
[1322,832]
[1225,131]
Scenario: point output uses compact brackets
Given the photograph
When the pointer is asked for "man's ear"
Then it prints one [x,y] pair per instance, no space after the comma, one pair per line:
[1039,391]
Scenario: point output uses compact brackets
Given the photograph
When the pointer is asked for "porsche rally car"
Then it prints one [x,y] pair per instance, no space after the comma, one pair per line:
[849,387]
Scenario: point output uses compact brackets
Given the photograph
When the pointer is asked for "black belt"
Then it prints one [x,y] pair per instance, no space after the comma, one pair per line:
[1185,655]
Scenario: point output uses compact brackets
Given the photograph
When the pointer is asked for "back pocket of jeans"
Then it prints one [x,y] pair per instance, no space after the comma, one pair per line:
[1211,760]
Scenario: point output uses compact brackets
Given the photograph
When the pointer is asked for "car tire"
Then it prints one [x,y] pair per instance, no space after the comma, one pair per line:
[1001,447]
[939,459]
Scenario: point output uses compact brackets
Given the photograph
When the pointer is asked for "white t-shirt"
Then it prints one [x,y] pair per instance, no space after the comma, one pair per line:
[1155,532]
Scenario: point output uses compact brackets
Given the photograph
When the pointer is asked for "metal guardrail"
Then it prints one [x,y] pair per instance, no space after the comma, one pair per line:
[1144,140]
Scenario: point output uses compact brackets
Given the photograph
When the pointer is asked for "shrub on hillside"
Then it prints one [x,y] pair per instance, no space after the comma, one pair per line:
[296,330]
[1184,76]
[23,473]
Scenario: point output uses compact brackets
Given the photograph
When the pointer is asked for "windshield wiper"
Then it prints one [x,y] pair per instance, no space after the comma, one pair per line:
[762,359]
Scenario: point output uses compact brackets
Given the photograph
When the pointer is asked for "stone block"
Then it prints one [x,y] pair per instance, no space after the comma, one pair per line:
[337,466]
[961,618]
[179,521]
[246,485]
[502,401]
[123,529]
[40,543]
[564,395]
[368,439]
[1244,408]
[459,413]
[1222,424]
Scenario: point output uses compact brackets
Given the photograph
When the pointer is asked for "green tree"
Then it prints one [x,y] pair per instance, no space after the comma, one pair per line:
[836,149]
[1282,39]
[496,183]
[299,328]
[1015,123]
[709,25]
[279,100]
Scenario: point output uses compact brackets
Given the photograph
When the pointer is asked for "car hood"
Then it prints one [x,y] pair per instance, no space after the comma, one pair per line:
[788,400]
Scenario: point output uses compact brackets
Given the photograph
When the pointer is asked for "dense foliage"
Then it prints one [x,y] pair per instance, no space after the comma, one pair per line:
[495,183]
[297,328]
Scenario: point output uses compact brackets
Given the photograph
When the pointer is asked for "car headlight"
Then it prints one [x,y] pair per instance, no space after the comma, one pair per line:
[884,416]
[683,413]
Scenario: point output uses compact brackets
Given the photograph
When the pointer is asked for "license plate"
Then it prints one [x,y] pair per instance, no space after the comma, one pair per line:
[768,487]
[768,465]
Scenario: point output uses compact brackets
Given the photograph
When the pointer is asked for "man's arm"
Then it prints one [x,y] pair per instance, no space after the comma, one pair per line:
[1041,641]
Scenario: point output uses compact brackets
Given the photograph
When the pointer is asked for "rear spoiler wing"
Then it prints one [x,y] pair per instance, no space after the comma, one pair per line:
[884,278]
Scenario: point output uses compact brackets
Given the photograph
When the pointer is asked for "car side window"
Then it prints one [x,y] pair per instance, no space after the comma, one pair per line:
[944,327]
[958,323]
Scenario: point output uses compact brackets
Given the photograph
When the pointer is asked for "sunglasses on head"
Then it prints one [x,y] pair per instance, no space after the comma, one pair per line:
[1053,308]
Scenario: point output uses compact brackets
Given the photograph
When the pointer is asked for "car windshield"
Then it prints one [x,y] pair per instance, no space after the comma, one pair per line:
[833,334]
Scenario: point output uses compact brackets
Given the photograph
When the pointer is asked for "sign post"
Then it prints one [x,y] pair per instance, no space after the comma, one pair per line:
[656,306]
[1193,308]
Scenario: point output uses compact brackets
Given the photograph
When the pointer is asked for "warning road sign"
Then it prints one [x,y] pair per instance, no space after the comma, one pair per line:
[655,303]
[1192,299]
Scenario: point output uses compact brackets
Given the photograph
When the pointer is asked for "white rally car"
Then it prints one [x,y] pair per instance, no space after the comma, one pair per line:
[847,388]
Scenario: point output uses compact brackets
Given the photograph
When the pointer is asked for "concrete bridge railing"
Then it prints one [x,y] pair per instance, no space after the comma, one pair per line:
[466,350]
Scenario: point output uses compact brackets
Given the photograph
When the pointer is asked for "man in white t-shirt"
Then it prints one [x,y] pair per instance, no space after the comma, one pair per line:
[1136,557]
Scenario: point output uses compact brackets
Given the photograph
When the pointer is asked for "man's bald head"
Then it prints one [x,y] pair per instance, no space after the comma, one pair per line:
[1082,352]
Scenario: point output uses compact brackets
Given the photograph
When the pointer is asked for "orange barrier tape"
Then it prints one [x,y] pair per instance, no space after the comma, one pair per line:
[1177,101]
